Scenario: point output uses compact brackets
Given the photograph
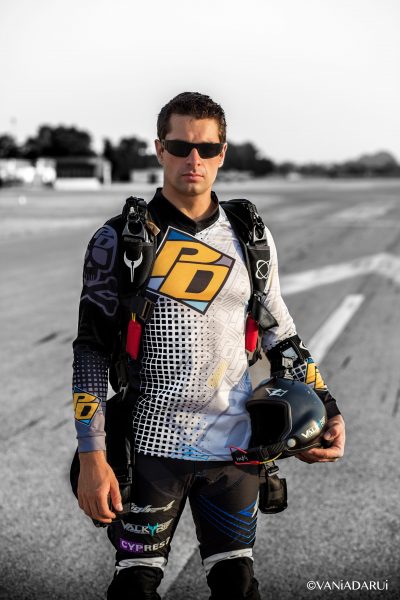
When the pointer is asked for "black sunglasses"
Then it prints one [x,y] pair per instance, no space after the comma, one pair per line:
[183,149]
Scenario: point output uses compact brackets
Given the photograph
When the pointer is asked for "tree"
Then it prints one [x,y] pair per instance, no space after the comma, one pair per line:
[246,157]
[109,154]
[263,167]
[286,167]
[130,153]
[381,163]
[9,147]
[57,142]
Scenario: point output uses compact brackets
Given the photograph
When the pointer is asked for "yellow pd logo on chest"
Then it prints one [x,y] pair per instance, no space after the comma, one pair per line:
[189,270]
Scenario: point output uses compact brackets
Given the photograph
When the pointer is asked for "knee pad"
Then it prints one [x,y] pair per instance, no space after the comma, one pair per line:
[233,579]
[140,583]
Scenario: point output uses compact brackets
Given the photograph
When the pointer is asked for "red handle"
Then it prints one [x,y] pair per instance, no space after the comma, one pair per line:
[251,336]
[133,338]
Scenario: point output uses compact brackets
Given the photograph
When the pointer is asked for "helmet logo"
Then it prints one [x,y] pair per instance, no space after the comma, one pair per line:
[275,392]
[314,429]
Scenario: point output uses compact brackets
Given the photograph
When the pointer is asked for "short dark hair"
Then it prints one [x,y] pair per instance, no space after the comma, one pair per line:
[195,105]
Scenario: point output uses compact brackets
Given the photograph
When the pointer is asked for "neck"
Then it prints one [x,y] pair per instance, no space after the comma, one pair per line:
[196,208]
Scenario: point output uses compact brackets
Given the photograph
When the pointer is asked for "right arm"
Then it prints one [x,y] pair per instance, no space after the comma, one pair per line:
[97,331]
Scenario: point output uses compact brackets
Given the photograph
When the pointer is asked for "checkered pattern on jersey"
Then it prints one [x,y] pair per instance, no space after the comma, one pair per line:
[193,382]
[172,387]
[299,371]
[91,373]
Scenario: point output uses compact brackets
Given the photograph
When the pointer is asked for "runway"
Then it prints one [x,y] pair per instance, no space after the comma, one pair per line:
[339,255]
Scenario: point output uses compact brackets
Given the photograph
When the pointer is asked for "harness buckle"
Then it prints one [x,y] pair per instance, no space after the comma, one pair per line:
[256,238]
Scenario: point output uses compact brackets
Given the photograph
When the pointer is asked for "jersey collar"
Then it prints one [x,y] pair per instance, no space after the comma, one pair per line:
[167,213]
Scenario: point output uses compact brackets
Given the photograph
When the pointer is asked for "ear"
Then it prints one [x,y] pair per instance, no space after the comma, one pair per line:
[222,155]
[159,152]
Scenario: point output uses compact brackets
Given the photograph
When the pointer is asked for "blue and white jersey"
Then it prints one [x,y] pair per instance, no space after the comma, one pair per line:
[193,382]
[194,376]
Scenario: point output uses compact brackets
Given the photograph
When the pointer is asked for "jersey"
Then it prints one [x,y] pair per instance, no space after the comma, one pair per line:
[193,382]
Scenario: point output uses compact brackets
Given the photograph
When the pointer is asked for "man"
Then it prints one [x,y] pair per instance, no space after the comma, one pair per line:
[193,381]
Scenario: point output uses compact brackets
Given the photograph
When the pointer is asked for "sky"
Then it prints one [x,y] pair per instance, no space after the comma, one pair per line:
[304,80]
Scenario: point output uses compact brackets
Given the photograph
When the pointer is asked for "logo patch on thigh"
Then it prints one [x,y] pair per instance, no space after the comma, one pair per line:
[140,548]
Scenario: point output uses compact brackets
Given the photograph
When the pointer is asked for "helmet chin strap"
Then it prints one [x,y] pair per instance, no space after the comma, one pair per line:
[256,456]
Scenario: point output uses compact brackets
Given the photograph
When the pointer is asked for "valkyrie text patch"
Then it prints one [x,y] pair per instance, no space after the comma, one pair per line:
[147,529]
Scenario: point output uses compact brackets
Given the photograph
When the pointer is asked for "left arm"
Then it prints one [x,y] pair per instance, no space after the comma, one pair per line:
[281,342]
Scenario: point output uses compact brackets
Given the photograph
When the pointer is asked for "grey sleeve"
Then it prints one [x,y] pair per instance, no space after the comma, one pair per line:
[90,384]
[97,332]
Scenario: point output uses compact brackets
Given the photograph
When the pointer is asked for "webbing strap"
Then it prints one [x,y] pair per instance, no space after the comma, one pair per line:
[257,456]
[141,306]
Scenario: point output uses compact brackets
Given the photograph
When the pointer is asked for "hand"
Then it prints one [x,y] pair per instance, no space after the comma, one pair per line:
[96,484]
[335,434]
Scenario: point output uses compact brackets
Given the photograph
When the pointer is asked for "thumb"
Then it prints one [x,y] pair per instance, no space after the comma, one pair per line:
[115,495]
[332,432]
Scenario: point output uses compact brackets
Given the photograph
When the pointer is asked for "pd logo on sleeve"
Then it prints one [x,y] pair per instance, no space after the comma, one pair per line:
[85,406]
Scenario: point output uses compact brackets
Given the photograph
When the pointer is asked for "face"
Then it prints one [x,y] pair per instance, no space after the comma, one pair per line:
[192,175]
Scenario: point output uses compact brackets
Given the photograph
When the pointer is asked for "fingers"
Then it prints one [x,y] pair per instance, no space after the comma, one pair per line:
[333,432]
[96,507]
[335,429]
[304,458]
[331,454]
[334,451]
[104,513]
[96,484]
[115,495]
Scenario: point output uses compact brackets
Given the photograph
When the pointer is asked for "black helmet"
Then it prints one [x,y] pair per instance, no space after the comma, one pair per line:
[287,417]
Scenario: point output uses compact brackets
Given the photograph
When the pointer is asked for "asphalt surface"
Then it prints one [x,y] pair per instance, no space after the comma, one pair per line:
[343,522]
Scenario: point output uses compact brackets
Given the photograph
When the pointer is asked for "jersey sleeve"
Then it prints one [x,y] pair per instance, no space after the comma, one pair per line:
[97,332]
[282,341]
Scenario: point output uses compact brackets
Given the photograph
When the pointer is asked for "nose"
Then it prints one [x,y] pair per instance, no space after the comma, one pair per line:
[194,157]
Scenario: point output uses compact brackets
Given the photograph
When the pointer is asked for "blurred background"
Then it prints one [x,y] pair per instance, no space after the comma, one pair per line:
[311,94]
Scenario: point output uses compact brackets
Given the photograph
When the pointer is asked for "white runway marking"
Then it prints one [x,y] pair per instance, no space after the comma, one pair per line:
[289,214]
[37,225]
[327,335]
[372,224]
[365,212]
[384,264]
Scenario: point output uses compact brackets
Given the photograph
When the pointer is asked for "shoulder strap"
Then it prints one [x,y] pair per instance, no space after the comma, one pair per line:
[138,251]
[139,246]
[245,220]
[250,230]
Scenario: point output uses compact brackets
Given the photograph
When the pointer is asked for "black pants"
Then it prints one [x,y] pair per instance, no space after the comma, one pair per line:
[223,500]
